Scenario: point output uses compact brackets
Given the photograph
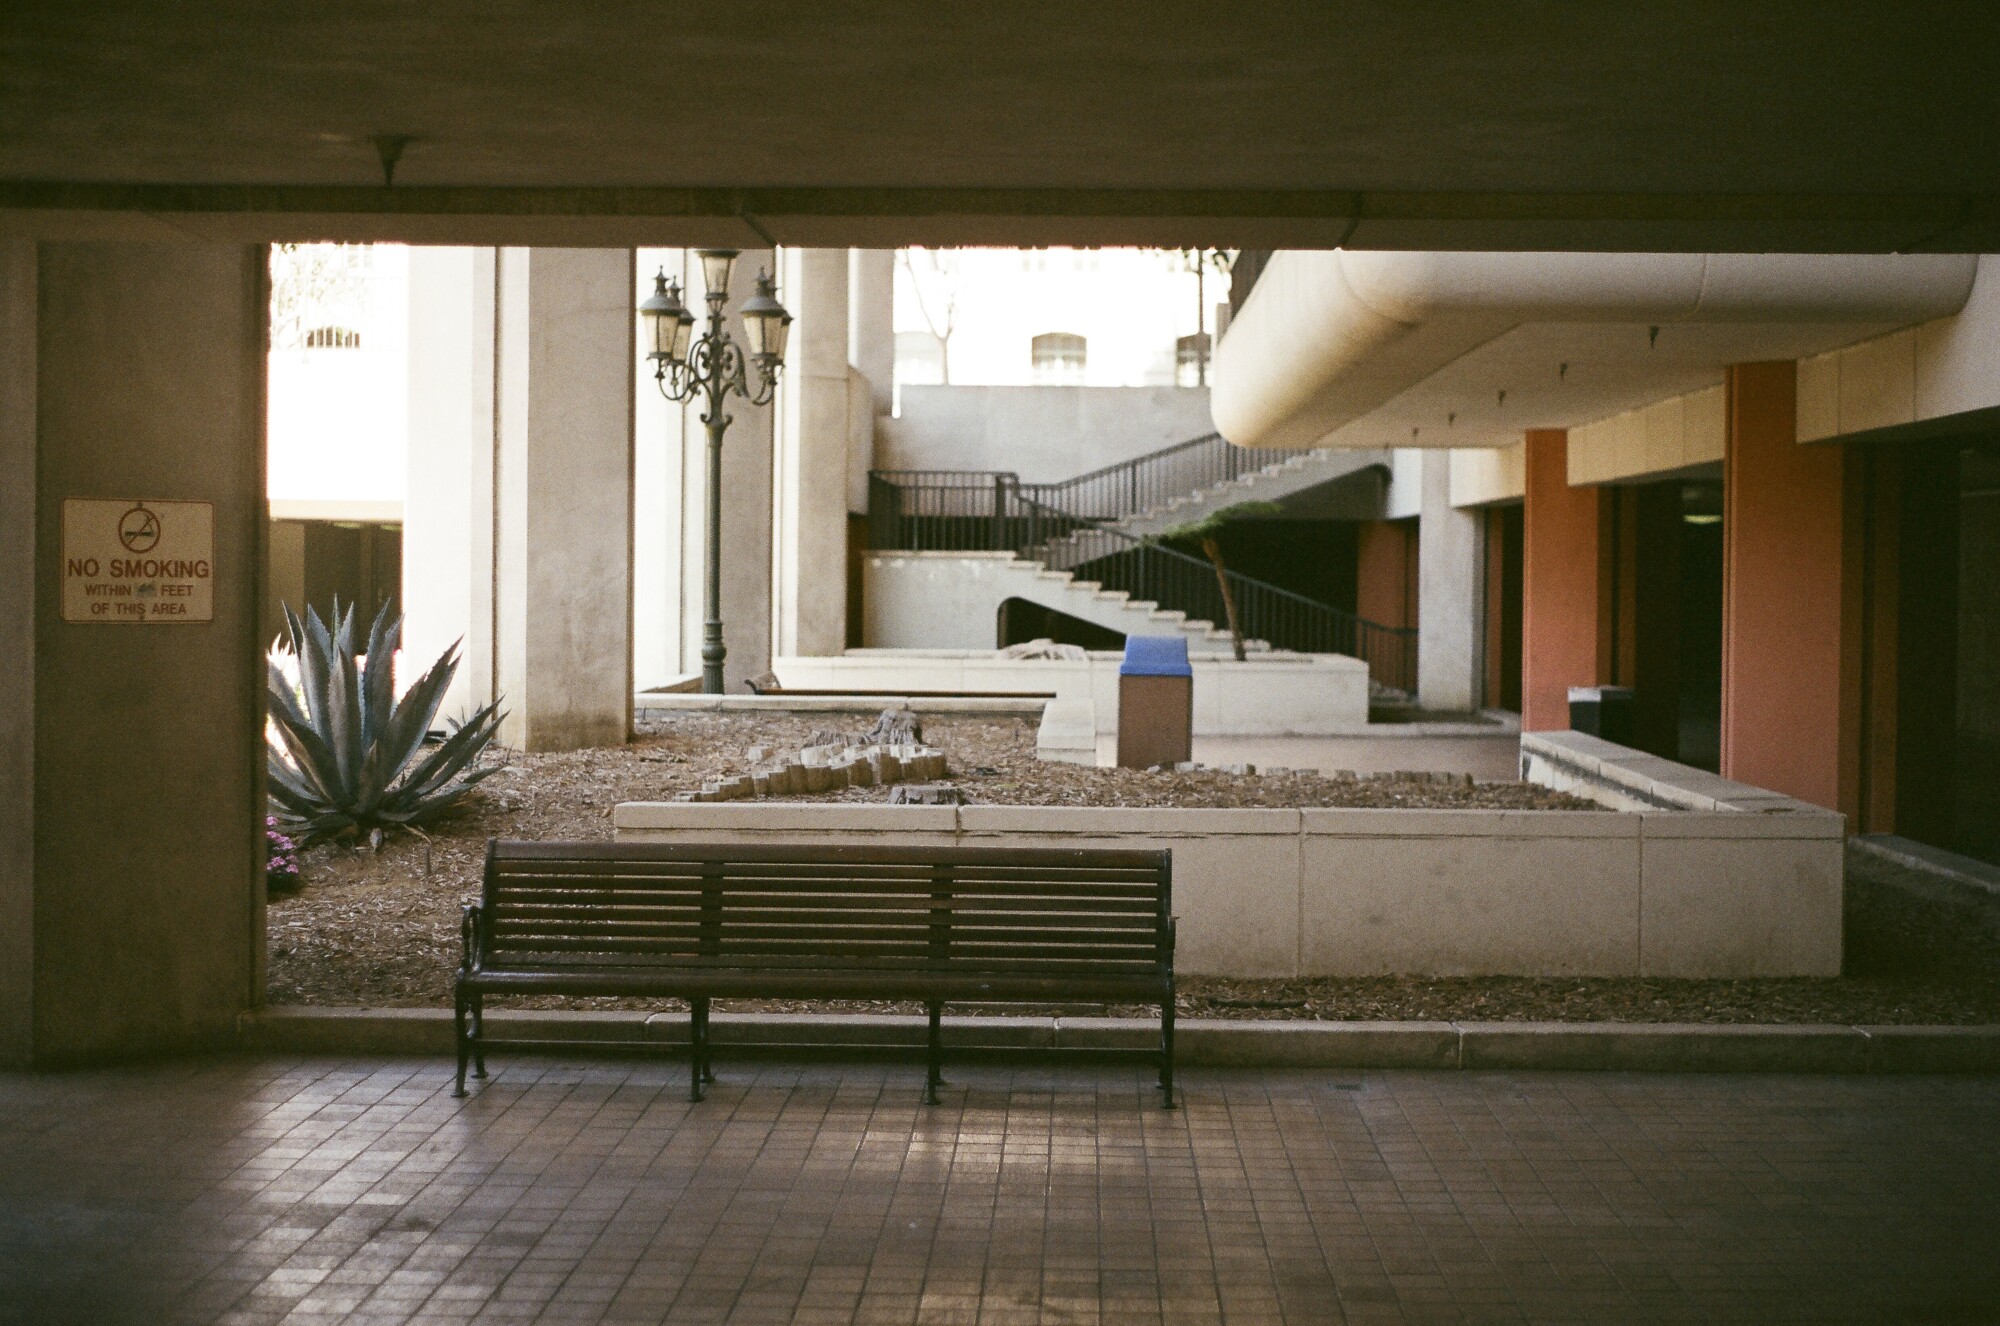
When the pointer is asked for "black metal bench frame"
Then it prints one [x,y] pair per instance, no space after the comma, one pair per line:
[701,921]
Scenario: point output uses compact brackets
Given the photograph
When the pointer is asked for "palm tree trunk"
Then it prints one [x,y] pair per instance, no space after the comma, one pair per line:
[1214,552]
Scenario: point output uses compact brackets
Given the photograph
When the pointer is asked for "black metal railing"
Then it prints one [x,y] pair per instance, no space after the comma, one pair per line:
[1066,526]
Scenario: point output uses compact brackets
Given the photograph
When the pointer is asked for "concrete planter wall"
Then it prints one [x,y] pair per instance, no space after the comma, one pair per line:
[1266,695]
[1278,893]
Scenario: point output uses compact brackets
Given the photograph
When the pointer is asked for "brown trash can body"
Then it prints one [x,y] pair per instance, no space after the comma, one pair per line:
[1155,721]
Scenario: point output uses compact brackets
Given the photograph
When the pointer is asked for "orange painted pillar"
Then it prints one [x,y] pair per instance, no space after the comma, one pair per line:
[1562,584]
[1782,576]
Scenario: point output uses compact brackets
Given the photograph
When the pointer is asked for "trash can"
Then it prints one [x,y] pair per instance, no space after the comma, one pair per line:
[1155,702]
[1602,711]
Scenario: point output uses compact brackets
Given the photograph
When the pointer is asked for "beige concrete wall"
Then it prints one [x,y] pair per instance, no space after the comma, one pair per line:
[915,600]
[17,651]
[1265,695]
[1736,879]
[1484,476]
[148,796]
[1942,367]
[564,511]
[1333,892]
[1660,440]
[1044,434]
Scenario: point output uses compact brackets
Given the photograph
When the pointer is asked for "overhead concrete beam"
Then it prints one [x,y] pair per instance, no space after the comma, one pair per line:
[887,217]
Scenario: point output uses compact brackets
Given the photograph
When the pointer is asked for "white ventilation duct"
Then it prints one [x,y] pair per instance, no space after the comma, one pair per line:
[1328,336]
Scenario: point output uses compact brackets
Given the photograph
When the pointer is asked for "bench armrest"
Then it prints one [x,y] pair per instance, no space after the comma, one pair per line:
[469,932]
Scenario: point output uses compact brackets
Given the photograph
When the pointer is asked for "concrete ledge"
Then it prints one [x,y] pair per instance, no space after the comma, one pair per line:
[1933,1049]
[1978,880]
[1201,1042]
[1232,1043]
[1663,1047]
[838,704]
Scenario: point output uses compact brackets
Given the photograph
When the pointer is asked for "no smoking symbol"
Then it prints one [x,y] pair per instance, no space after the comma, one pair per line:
[139,530]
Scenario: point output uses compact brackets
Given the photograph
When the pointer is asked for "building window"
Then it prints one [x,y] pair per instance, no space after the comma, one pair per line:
[1057,358]
[333,338]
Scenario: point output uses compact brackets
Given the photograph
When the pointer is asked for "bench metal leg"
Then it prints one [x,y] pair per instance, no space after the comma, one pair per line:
[707,1048]
[458,1027]
[934,1077]
[697,1045]
[1167,1052]
[479,1036]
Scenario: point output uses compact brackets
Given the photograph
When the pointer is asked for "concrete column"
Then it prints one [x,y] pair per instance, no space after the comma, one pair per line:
[17,651]
[564,392]
[1783,553]
[131,756]
[1562,584]
[1449,581]
[811,510]
[871,321]
[658,584]
[448,512]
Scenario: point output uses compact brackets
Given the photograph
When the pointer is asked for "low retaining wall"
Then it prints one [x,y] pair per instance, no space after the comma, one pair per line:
[1276,694]
[1332,892]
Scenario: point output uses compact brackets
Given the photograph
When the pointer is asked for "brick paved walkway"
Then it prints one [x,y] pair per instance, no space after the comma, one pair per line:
[273,1190]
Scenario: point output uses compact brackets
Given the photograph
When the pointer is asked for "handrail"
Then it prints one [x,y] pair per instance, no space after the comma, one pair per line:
[992,511]
[1126,487]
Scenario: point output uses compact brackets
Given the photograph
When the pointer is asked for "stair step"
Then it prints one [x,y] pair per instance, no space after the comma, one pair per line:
[1086,586]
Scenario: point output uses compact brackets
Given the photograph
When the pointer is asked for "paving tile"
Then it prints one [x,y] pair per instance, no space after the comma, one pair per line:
[318,1190]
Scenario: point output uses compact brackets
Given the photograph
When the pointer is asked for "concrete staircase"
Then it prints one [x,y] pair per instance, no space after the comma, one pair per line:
[1273,483]
[948,600]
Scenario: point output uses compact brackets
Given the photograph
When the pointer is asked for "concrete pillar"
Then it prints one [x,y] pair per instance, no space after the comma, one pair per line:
[131,756]
[811,511]
[871,321]
[1783,554]
[1562,582]
[18,572]
[448,510]
[659,585]
[563,499]
[1449,582]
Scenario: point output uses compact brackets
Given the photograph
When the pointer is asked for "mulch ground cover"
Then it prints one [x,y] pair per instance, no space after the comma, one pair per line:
[380,928]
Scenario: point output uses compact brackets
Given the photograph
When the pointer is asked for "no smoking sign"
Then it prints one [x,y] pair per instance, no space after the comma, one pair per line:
[138,562]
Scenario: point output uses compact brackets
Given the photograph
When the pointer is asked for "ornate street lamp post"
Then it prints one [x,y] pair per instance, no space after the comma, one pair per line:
[715,367]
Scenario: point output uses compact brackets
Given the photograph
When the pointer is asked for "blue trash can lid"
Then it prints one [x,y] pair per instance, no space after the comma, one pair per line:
[1155,656]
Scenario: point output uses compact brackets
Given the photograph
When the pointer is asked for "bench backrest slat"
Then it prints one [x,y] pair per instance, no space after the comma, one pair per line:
[802,905]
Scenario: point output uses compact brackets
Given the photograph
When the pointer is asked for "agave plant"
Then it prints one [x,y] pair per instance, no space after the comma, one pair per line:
[345,755]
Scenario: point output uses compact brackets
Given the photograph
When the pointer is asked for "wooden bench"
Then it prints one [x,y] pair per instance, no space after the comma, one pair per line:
[703,921]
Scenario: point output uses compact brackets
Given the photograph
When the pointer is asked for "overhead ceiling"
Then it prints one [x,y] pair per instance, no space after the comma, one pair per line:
[1694,126]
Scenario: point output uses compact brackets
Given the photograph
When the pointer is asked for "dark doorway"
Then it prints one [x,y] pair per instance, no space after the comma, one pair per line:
[1022,621]
[1661,614]
[1699,727]
[1503,607]
[1947,655]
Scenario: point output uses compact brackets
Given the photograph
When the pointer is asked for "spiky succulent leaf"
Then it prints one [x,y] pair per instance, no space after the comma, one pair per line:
[378,696]
[345,753]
